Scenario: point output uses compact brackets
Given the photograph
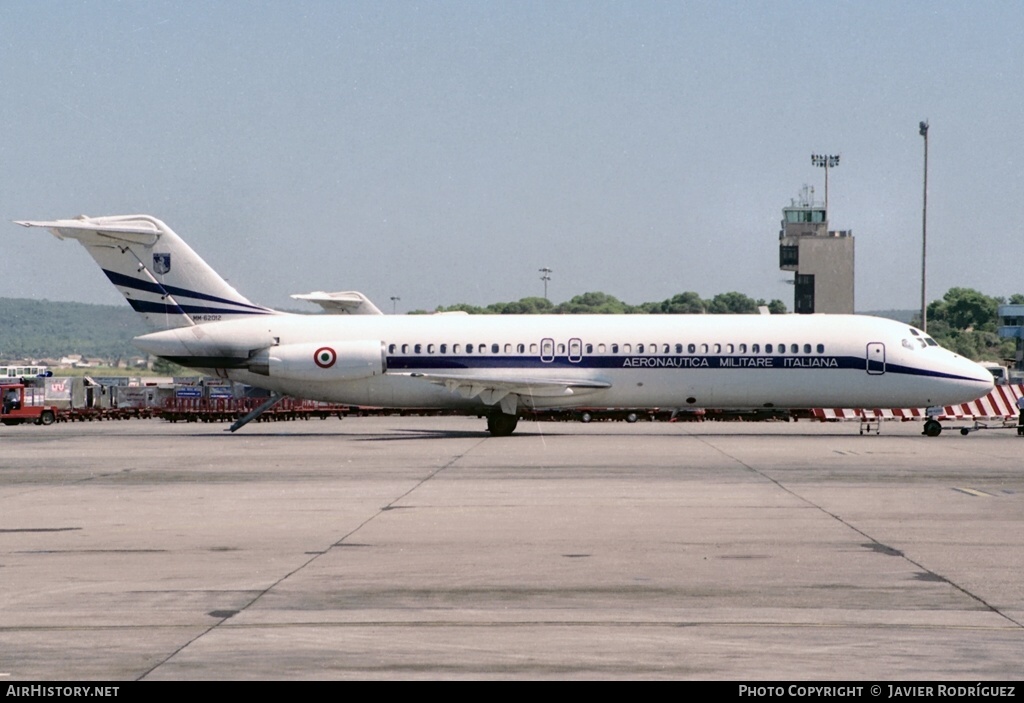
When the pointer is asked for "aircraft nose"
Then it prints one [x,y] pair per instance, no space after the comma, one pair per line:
[978,376]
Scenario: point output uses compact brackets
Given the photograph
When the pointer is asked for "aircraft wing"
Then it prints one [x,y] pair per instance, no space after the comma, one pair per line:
[507,389]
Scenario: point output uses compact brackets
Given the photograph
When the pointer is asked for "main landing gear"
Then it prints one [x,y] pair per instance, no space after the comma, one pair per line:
[501,425]
[932,428]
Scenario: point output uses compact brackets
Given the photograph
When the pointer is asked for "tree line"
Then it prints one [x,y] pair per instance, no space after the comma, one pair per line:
[596,303]
[966,321]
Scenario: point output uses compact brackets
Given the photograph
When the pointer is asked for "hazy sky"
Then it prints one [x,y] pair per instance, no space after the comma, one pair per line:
[443,152]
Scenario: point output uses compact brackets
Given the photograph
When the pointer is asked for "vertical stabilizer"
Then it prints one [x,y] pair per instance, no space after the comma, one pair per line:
[158,274]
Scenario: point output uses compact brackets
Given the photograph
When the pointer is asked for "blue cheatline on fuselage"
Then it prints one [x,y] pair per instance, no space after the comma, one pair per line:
[437,362]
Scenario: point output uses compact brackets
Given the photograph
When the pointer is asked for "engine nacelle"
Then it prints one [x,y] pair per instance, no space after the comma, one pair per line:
[321,361]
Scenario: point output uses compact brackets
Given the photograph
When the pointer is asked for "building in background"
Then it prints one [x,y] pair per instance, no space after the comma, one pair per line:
[821,260]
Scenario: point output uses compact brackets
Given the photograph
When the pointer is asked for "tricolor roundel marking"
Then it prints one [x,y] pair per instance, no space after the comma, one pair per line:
[324,357]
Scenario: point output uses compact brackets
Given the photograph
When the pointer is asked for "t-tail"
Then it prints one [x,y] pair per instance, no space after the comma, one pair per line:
[158,273]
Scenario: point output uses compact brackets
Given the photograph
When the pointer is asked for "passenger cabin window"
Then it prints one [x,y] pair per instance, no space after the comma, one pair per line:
[767,348]
[821,348]
[615,349]
[743,349]
[495,348]
[405,348]
[444,348]
[691,348]
[392,348]
[756,349]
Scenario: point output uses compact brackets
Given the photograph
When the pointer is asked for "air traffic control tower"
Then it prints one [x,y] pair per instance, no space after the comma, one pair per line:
[822,260]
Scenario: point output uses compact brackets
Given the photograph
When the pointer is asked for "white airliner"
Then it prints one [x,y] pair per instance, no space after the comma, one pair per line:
[497,364]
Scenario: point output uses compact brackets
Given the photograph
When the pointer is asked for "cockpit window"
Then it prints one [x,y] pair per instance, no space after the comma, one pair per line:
[931,342]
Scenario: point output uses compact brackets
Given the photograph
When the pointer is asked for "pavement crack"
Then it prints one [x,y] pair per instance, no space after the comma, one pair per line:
[222,616]
[925,574]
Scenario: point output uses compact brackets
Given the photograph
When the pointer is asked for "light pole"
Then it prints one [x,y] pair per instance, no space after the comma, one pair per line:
[825,161]
[394,303]
[545,276]
[923,131]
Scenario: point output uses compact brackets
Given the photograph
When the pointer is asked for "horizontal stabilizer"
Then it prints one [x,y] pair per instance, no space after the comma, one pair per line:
[133,229]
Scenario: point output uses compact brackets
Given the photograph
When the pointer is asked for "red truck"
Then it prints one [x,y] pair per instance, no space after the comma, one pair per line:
[16,412]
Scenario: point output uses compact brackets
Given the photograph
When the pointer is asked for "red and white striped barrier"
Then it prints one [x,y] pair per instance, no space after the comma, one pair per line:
[1001,403]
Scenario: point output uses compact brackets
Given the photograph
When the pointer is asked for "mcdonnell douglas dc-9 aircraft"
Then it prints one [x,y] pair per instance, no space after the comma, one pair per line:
[495,365]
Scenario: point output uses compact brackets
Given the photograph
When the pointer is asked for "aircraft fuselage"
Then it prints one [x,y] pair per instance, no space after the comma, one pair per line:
[677,361]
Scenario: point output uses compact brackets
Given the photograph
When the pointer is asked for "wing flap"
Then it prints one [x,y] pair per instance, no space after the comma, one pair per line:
[504,389]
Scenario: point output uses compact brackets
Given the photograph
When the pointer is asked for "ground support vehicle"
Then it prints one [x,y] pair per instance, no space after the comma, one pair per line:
[17,409]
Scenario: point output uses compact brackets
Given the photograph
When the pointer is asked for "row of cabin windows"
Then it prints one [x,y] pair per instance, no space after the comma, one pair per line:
[615,348]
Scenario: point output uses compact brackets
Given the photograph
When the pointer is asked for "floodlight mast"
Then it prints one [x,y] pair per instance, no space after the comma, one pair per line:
[923,131]
[825,161]
[545,276]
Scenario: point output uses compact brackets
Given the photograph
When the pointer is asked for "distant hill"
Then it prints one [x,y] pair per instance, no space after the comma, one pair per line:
[38,329]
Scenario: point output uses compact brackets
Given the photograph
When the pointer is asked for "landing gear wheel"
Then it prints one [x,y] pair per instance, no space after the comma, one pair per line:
[502,425]
[632,417]
[932,428]
[586,417]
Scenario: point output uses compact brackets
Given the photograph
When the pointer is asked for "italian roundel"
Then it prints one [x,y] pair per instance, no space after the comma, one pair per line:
[324,357]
